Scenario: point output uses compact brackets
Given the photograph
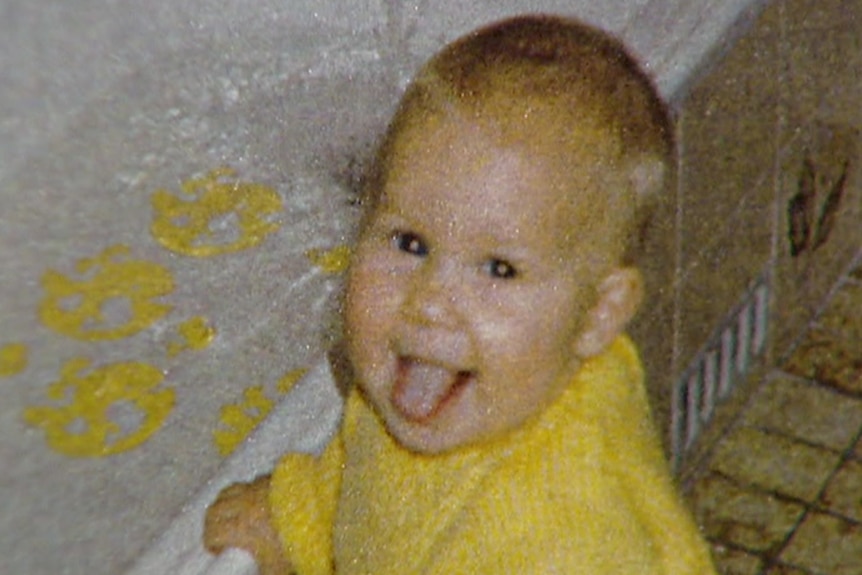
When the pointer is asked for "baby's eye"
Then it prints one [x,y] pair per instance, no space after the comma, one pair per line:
[410,243]
[501,269]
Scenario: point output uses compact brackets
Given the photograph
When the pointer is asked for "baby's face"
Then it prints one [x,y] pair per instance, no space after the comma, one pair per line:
[469,287]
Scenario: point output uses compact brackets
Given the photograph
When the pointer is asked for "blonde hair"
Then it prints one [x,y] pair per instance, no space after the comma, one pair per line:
[545,77]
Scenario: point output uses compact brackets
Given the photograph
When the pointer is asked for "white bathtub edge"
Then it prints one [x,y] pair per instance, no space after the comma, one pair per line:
[303,421]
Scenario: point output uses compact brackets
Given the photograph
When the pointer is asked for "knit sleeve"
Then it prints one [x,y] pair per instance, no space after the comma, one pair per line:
[634,455]
[302,500]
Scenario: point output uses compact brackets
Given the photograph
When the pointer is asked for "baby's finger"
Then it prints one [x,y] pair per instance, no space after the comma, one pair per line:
[215,537]
[233,490]
[223,526]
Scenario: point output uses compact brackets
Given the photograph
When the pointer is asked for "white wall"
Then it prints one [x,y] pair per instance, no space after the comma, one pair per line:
[56,57]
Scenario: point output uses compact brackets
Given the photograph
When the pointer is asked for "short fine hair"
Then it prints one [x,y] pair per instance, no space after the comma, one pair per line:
[533,74]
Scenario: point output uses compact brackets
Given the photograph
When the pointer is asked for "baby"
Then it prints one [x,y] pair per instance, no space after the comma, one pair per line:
[497,421]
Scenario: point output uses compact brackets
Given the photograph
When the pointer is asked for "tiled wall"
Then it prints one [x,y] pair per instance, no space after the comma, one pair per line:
[769,190]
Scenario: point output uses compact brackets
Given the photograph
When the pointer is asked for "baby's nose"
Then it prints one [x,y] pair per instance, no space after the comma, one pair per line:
[432,300]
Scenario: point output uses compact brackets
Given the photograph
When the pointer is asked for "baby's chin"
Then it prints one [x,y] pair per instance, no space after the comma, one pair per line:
[425,439]
[448,431]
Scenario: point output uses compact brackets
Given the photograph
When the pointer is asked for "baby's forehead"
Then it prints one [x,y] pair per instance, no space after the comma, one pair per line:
[549,179]
[565,142]
[576,159]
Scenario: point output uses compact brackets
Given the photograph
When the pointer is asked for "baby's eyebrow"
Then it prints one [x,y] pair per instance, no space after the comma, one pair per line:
[389,218]
[510,249]
[386,209]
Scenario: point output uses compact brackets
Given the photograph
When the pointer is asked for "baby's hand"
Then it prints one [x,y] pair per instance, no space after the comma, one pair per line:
[239,517]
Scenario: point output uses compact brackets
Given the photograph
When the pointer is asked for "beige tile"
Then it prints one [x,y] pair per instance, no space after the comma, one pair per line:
[785,570]
[802,15]
[769,22]
[774,463]
[712,288]
[809,263]
[744,517]
[823,74]
[728,131]
[805,411]
[830,360]
[653,327]
[657,260]
[843,314]
[822,60]
[796,304]
[652,332]
[729,126]
[843,495]
[717,279]
[826,544]
[730,561]
[719,425]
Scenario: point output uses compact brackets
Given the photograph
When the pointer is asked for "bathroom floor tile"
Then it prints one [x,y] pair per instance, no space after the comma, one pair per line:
[826,544]
[730,561]
[829,359]
[774,463]
[809,412]
[816,14]
[786,570]
[744,517]
[843,315]
[843,495]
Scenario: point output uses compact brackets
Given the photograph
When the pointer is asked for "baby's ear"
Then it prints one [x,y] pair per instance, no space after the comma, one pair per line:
[619,297]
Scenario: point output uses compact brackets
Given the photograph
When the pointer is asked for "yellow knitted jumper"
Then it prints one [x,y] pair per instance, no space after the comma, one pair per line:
[582,488]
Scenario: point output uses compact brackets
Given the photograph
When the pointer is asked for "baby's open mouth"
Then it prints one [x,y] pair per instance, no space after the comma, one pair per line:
[422,389]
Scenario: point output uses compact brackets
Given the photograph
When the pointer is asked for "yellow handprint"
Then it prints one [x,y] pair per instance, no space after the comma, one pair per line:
[85,426]
[77,309]
[240,419]
[190,225]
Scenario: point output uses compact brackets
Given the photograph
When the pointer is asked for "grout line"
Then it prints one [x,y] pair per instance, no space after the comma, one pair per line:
[814,382]
[701,468]
[771,557]
[815,507]
[735,340]
[676,321]
[843,279]
[678,224]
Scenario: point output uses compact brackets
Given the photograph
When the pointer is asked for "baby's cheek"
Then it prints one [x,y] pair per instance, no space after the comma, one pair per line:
[371,303]
[537,374]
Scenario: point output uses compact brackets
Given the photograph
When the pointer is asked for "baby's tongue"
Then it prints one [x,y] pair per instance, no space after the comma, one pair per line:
[421,388]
